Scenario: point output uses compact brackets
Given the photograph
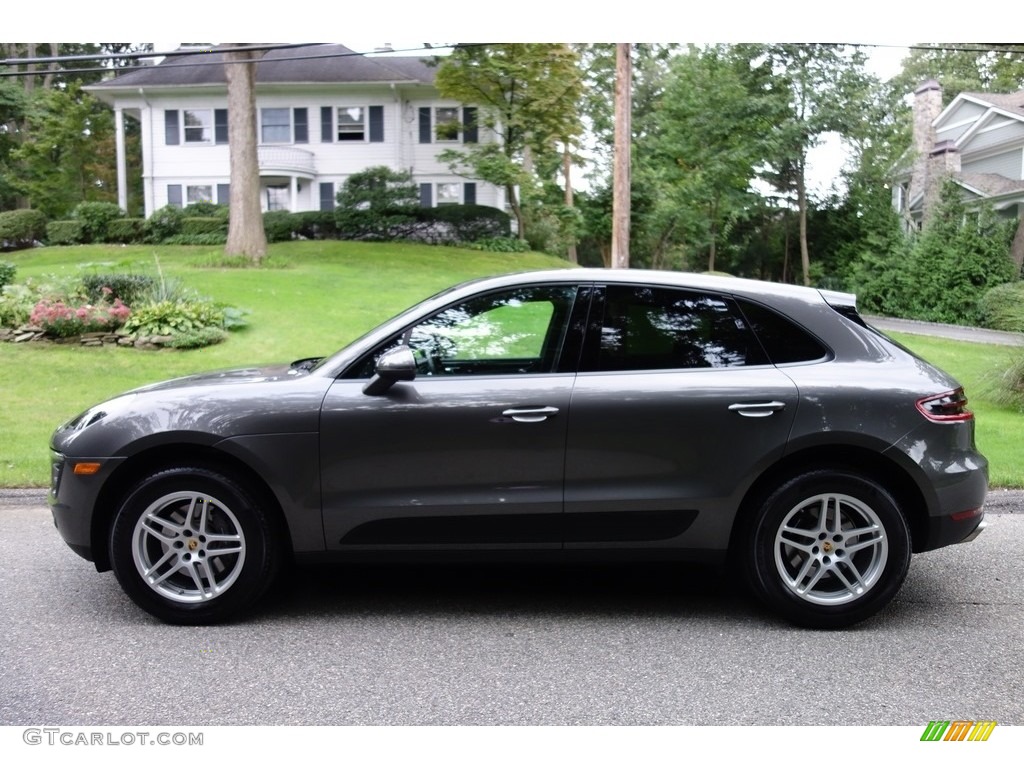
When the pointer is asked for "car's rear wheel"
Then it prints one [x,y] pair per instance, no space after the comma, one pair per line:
[828,549]
[192,546]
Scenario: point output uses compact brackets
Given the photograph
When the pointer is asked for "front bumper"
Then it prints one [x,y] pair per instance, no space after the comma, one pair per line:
[73,499]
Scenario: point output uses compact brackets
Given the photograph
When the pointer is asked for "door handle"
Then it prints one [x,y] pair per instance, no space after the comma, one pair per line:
[757,410]
[530,415]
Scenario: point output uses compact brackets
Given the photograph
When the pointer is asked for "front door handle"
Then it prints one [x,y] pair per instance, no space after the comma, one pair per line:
[530,415]
[757,410]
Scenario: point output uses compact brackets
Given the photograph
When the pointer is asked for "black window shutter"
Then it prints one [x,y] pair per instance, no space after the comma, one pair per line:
[424,125]
[376,123]
[171,127]
[220,126]
[326,125]
[301,125]
[327,196]
[174,195]
[426,195]
[470,135]
[223,194]
[469,193]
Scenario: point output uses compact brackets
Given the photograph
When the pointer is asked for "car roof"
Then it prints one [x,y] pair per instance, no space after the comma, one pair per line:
[719,283]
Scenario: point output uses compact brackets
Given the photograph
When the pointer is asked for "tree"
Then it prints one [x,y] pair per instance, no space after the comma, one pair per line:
[824,84]
[526,95]
[67,153]
[246,236]
[715,123]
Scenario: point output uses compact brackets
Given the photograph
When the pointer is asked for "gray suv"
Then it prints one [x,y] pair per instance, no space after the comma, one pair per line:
[543,416]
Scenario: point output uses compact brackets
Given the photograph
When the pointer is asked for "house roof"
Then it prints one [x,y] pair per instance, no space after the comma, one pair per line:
[323,63]
[1010,102]
[991,184]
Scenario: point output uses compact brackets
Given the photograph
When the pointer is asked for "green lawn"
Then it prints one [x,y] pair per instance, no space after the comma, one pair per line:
[326,294]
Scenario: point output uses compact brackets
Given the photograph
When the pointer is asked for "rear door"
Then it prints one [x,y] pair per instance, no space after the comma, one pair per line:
[675,409]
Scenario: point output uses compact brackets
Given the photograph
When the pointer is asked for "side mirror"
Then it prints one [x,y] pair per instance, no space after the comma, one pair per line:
[395,365]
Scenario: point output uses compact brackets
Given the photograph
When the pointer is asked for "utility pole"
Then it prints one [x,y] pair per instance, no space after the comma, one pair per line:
[623,142]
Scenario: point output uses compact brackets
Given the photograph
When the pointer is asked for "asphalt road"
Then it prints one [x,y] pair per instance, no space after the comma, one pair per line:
[509,646]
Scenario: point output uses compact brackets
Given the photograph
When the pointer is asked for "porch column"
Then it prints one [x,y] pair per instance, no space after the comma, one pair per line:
[294,190]
[122,166]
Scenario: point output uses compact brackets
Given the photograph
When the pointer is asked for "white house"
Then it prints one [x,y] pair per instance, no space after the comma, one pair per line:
[977,140]
[324,112]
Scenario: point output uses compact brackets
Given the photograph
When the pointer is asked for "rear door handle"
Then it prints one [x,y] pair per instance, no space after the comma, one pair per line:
[757,410]
[530,415]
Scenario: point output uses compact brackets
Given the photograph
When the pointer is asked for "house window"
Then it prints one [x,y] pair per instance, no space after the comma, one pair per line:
[275,126]
[198,126]
[198,193]
[351,124]
[449,194]
[446,123]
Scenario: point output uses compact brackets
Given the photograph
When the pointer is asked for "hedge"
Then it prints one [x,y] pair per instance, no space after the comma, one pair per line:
[126,230]
[65,232]
[21,228]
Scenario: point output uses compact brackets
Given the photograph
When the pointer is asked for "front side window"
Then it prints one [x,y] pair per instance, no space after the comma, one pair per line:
[275,125]
[198,126]
[351,124]
[198,193]
[518,331]
[446,123]
[647,328]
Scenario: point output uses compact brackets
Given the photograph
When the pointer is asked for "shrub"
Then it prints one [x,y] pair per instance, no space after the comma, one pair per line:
[126,230]
[96,218]
[207,210]
[16,305]
[202,225]
[278,225]
[208,238]
[128,287]
[377,204]
[315,225]
[7,272]
[65,232]
[1002,307]
[63,320]
[21,228]
[168,318]
[499,245]
[164,223]
[470,223]
[204,337]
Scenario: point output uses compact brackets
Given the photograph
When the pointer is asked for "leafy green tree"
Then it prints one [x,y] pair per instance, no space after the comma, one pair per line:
[960,255]
[989,67]
[67,155]
[526,95]
[377,203]
[824,84]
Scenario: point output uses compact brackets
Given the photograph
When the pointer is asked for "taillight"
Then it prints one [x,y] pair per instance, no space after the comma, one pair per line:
[949,406]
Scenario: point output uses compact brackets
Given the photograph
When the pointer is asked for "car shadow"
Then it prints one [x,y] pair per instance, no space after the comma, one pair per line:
[502,589]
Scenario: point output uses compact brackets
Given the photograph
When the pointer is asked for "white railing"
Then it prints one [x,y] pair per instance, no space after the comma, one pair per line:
[286,160]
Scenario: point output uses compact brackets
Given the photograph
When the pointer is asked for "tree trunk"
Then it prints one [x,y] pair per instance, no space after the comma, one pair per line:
[1017,249]
[245,224]
[801,202]
[517,211]
[623,143]
[569,203]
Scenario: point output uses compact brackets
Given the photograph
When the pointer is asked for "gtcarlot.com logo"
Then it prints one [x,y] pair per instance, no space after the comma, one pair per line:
[958,730]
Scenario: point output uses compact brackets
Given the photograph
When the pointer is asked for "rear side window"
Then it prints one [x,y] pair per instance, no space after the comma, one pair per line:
[648,328]
[783,340]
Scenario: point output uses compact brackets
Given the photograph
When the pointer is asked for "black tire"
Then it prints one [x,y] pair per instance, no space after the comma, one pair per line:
[191,546]
[823,570]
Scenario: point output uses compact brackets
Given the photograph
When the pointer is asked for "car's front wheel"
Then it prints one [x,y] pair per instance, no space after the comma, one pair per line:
[192,546]
[828,549]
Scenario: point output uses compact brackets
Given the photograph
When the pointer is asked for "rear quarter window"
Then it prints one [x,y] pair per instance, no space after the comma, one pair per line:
[783,340]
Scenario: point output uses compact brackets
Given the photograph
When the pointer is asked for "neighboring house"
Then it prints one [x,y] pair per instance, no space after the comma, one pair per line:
[978,141]
[324,112]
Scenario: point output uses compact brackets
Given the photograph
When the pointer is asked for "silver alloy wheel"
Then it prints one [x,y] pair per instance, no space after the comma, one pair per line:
[831,549]
[188,547]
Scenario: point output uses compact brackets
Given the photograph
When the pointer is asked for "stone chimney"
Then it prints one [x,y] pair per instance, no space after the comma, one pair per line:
[943,162]
[927,107]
